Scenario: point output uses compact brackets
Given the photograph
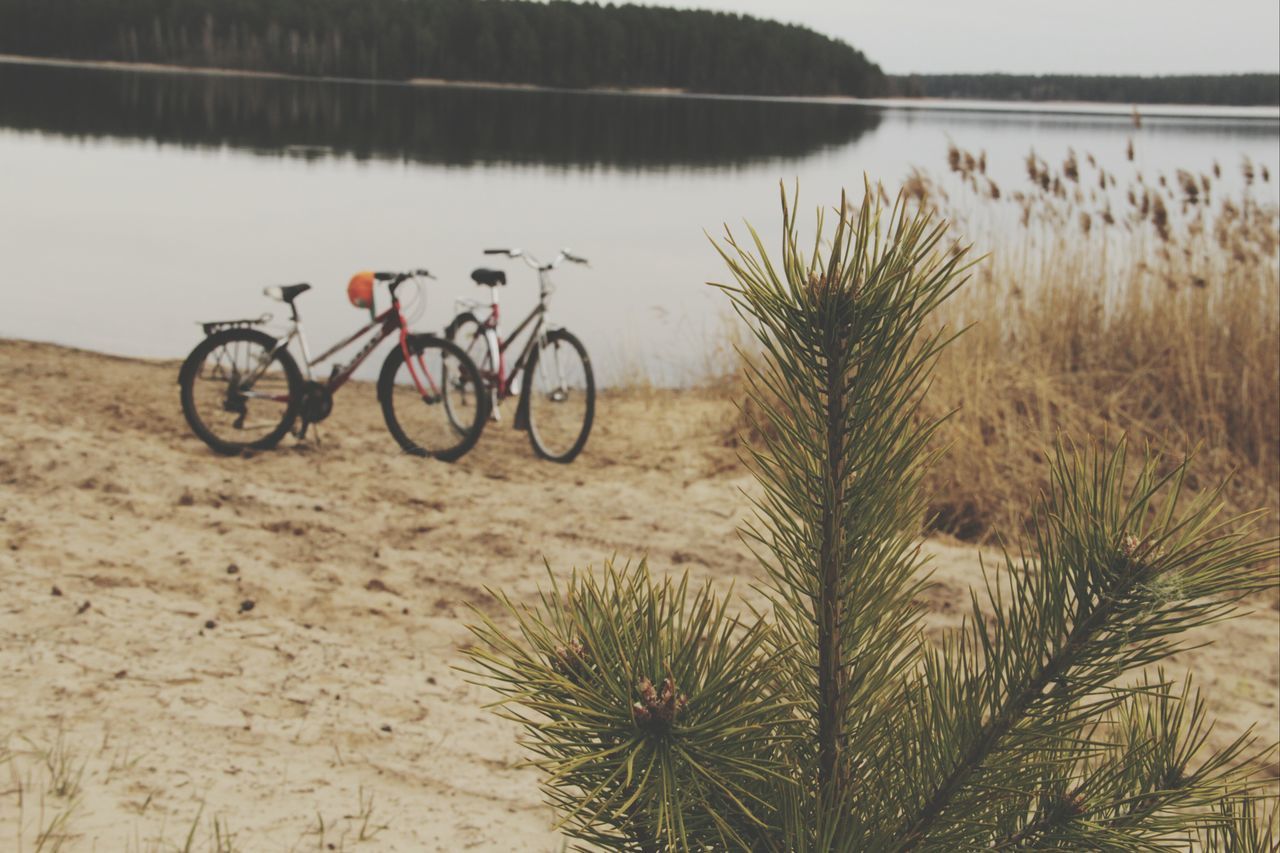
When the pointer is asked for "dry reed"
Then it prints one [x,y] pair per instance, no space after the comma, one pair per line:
[1160,320]
[1163,323]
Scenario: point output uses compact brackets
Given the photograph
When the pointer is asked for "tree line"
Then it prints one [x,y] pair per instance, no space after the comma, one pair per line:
[1220,89]
[558,44]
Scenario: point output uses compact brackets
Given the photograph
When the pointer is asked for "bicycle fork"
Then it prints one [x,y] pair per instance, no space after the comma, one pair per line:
[495,362]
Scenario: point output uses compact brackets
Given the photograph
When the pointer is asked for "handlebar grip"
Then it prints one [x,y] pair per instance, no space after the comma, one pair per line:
[497,251]
[424,273]
[385,276]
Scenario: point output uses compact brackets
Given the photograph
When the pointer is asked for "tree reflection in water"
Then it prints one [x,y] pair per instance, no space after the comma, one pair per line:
[428,124]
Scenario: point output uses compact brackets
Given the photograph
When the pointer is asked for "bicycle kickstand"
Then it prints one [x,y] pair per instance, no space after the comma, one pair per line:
[300,435]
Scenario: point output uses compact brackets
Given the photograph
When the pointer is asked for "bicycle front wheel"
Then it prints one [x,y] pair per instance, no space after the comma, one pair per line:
[470,335]
[413,395]
[562,397]
[239,391]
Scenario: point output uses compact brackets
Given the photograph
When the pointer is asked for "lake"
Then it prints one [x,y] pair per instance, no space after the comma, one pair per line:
[135,204]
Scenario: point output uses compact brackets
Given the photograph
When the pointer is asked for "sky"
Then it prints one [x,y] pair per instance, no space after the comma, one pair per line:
[1037,37]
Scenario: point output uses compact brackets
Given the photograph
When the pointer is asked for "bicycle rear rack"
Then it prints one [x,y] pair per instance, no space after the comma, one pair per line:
[214,326]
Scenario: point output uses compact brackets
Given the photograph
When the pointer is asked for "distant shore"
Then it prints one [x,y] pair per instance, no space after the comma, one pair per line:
[1097,108]
[957,104]
[161,68]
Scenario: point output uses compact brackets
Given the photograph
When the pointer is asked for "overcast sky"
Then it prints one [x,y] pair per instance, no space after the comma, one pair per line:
[1037,37]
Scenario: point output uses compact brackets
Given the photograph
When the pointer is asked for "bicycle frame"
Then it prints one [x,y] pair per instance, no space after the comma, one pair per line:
[537,317]
[503,379]
[387,323]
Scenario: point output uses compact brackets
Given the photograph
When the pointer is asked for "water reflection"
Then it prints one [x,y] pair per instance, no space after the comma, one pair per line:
[441,125]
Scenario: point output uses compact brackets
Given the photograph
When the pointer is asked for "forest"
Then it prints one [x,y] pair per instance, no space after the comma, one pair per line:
[1219,89]
[557,44]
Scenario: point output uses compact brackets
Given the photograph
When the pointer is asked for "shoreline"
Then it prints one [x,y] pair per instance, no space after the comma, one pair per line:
[1088,108]
[427,82]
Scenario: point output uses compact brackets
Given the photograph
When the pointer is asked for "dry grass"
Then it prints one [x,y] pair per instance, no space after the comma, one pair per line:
[44,788]
[1105,306]
[40,786]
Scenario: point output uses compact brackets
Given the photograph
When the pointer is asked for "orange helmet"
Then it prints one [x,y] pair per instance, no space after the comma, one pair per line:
[360,290]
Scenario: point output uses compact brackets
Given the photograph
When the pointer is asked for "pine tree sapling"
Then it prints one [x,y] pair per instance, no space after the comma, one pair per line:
[829,722]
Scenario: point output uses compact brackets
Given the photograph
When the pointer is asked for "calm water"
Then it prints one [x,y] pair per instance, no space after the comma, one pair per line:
[133,205]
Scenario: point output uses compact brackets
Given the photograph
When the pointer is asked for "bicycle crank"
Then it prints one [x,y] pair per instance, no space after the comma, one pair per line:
[317,403]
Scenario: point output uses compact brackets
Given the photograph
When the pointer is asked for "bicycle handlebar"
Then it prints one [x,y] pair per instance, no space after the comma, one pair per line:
[564,255]
[398,277]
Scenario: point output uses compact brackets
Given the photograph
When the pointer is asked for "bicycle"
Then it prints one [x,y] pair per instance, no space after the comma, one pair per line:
[552,374]
[242,389]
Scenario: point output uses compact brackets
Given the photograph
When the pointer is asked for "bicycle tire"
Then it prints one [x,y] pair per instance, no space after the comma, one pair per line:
[558,442]
[468,333]
[420,431]
[201,409]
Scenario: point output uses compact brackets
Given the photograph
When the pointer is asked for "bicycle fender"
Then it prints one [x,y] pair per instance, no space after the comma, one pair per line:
[457,322]
[389,364]
[424,338]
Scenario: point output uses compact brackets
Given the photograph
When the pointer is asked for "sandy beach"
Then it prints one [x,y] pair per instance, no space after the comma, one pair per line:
[269,645]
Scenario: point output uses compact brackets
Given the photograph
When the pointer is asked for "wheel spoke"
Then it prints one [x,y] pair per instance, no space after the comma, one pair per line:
[239,394]
[461,395]
[445,422]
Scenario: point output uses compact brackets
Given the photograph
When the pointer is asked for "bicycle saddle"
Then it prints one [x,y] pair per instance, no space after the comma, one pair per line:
[287,292]
[489,278]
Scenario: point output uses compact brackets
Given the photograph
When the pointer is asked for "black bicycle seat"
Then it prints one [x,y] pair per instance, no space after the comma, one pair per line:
[489,278]
[288,292]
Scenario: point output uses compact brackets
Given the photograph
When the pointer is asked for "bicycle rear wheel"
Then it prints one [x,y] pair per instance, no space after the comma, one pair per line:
[421,423]
[239,392]
[561,397]
[470,335]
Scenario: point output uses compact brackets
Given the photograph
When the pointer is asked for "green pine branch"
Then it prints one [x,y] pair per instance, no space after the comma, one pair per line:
[651,710]
[1245,823]
[1116,578]
[1143,785]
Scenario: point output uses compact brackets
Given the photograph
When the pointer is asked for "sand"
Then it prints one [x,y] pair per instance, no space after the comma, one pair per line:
[135,672]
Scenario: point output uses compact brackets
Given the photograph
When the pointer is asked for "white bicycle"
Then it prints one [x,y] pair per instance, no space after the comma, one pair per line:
[552,375]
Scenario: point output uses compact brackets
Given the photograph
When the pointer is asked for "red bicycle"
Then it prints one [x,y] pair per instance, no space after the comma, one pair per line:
[243,390]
